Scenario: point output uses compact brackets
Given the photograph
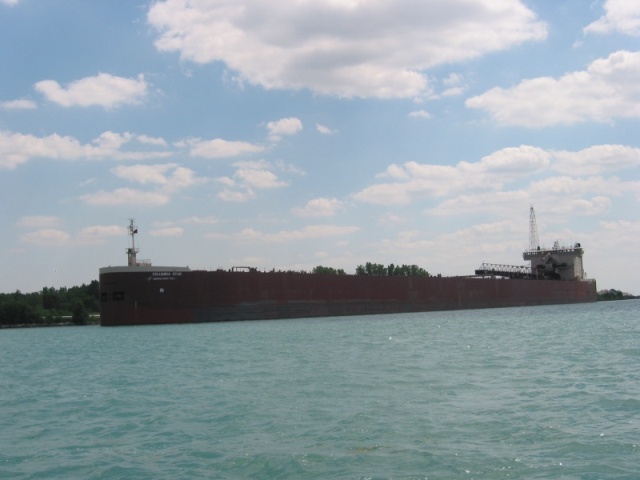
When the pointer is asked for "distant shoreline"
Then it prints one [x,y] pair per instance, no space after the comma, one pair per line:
[45,325]
[94,321]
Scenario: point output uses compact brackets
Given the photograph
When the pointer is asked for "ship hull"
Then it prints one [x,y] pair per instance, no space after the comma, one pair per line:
[162,295]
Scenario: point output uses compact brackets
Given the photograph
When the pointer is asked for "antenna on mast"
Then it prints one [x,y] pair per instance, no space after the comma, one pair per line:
[534,241]
[132,251]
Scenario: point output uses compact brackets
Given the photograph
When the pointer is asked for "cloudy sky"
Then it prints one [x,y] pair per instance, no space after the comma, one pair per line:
[319,132]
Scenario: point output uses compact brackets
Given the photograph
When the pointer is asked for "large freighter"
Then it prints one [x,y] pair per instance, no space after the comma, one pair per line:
[142,294]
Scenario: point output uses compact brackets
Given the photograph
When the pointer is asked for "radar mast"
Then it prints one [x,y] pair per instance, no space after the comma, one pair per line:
[132,251]
[534,241]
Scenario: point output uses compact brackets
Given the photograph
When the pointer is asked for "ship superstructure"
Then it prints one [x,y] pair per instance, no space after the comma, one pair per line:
[558,262]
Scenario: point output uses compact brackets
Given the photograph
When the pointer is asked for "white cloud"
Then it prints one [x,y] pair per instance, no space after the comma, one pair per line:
[97,234]
[47,237]
[126,196]
[9,2]
[513,177]
[53,237]
[319,207]
[229,195]
[168,178]
[40,221]
[568,200]
[248,176]
[284,126]
[347,49]
[324,129]
[454,86]
[621,15]
[200,220]
[609,88]
[566,187]
[413,179]
[597,159]
[18,148]
[219,148]
[453,92]
[154,174]
[183,177]
[167,232]
[159,142]
[420,114]
[104,90]
[259,178]
[392,219]
[306,233]
[18,105]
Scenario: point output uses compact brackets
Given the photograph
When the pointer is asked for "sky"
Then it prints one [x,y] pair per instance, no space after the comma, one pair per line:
[288,135]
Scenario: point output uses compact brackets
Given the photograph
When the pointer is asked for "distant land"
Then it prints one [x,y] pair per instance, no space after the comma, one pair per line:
[51,307]
[612,294]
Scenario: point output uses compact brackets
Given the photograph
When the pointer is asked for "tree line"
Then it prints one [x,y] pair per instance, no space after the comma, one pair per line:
[50,305]
[378,270]
[391,270]
[613,294]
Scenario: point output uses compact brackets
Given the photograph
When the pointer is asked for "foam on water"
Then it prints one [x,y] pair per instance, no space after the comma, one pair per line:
[542,392]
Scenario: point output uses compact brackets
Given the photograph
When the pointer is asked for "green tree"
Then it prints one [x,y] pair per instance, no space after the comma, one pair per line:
[327,270]
[79,314]
[376,269]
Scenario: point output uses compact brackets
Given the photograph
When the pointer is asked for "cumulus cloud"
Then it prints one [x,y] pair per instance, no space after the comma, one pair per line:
[621,16]
[319,207]
[219,148]
[53,237]
[40,221]
[144,174]
[97,234]
[47,237]
[514,176]
[18,105]
[324,129]
[103,90]
[126,196]
[414,179]
[258,177]
[166,179]
[306,233]
[420,114]
[193,220]
[157,141]
[346,49]
[597,159]
[248,177]
[18,148]
[167,232]
[569,200]
[170,176]
[607,89]
[237,196]
[284,126]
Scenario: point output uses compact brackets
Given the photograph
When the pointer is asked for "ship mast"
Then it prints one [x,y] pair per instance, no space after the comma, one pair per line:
[132,251]
[534,241]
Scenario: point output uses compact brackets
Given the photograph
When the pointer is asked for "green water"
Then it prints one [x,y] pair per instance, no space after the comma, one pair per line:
[541,392]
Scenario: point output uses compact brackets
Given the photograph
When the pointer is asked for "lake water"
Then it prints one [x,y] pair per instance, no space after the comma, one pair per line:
[535,393]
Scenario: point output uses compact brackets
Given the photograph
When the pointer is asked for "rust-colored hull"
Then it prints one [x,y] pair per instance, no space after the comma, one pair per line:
[138,296]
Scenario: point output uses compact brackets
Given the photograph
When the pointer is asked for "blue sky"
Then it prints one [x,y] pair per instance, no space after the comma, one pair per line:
[320,132]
